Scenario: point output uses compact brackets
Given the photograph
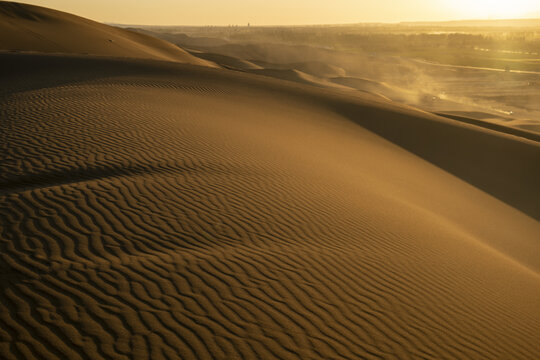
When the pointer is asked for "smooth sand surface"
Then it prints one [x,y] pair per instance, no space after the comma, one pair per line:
[226,61]
[32,28]
[158,210]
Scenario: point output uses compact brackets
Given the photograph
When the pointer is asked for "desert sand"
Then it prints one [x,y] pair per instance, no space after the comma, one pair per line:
[36,29]
[156,209]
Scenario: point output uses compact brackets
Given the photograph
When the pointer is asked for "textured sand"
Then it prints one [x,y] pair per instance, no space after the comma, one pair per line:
[160,210]
[209,214]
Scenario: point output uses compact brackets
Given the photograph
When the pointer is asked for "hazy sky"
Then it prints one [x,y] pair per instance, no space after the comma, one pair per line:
[278,12]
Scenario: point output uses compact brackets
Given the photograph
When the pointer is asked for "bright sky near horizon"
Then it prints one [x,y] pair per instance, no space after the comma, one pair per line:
[288,12]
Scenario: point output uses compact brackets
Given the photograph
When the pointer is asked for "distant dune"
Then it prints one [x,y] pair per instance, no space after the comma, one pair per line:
[33,28]
[226,61]
[505,98]
[183,39]
[297,76]
[161,210]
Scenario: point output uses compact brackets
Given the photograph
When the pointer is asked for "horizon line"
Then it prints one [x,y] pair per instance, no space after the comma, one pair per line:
[332,24]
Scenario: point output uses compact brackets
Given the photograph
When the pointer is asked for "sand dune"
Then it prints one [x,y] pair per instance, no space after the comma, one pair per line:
[312,73]
[298,76]
[229,62]
[161,210]
[374,87]
[275,54]
[530,125]
[473,119]
[146,214]
[184,40]
[316,68]
[32,28]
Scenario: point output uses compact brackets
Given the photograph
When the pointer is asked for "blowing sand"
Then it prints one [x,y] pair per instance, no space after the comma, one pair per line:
[160,210]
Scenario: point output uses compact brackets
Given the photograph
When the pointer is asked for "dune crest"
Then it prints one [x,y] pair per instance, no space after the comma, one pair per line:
[32,28]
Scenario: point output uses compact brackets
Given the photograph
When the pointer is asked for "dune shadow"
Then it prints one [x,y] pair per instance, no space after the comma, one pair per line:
[503,166]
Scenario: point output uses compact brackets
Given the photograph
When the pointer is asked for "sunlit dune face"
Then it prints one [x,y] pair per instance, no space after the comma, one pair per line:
[482,9]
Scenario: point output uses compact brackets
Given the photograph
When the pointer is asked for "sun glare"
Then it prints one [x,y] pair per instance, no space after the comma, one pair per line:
[498,9]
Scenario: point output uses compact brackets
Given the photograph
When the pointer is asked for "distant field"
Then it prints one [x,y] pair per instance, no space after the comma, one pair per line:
[478,58]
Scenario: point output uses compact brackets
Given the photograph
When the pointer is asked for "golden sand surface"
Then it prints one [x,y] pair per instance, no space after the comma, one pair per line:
[167,210]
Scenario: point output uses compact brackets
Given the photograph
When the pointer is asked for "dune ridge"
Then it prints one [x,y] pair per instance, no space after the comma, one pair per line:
[32,28]
[154,220]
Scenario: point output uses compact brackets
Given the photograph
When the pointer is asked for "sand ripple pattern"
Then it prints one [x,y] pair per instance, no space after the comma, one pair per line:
[154,217]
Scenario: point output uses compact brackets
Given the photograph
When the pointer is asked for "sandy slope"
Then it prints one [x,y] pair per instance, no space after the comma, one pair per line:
[171,211]
[32,28]
[226,61]
[153,209]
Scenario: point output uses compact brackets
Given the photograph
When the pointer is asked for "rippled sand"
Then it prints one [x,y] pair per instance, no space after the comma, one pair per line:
[159,210]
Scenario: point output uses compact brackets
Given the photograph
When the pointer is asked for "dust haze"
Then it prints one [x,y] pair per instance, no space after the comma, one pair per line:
[486,70]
